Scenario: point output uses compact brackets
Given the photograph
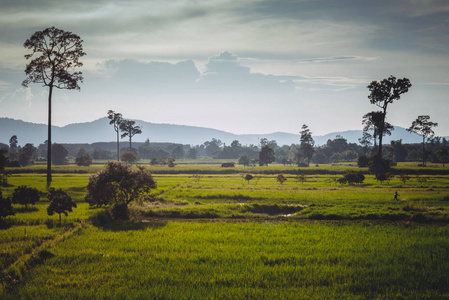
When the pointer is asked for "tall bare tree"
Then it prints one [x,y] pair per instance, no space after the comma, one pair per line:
[116,120]
[423,126]
[56,53]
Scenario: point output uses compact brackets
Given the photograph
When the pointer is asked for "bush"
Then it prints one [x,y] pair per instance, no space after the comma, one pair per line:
[363,161]
[119,184]
[128,157]
[5,207]
[281,178]
[84,160]
[25,195]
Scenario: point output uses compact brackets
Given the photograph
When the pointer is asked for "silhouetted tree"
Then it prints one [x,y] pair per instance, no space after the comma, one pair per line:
[266,156]
[249,177]
[129,130]
[178,152]
[365,141]
[443,156]
[423,126]
[373,121]
[383,93]
[59,154]
[307,143]
[57,52]
[116,120]
[27,154]
[13,148]
[83,160]
[60,203]
[244,160]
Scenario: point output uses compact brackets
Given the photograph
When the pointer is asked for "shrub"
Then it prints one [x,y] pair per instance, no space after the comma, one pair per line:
[352,177]
[248,177]
[84,160]
[363,161]
[5,207]
[281,178]
[119,184]
[25,195]
[128,157]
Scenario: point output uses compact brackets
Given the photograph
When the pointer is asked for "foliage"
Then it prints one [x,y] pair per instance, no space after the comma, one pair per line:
[27,155]
[83,160]
[423,126]
[244,160]
[60,203]
[129,129]
[128,157]
[59,154]
[248,177]
[118,184]
[281,178]
[404,177]
[307,143]
[443,156]
[5,206]
[178,152]
[25,195]
[301,178]
[352,177]
[363,161]
[266,156]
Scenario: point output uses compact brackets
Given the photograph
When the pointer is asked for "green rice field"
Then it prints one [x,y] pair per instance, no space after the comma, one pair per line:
[214,235]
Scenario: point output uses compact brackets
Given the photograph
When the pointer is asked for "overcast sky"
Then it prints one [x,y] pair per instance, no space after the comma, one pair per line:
[243,66]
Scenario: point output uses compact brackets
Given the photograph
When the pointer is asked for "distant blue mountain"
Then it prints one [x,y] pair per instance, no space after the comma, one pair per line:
[100,131]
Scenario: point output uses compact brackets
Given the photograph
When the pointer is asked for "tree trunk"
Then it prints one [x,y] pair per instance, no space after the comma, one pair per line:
[423,153]
[130,143]
[49,179]
[118,147]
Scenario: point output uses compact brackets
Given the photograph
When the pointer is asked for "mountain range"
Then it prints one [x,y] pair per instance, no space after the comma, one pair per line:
[100,131]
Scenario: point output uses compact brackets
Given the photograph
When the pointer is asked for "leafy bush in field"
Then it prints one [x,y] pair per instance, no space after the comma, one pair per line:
[84,160]
[352,177]
[128,157]
[60,203]
[5,206]
[363,161]
[248,177]
[281,178]
[25,195]
[119,184]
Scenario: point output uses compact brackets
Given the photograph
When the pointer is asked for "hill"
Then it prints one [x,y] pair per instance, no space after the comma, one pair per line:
[100,131]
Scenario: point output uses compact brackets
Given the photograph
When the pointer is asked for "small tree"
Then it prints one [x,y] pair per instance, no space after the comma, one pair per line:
[116,120]
[5,207]
[443,156]
[249,177]
[118,184]
[281,178]
[128,157]
[83,160]
[59,154]
[301,178]
[58,52]
[244,160]
[266,156]
[307,143]
[423,126]
[27,154]
[60,203]
[25,195]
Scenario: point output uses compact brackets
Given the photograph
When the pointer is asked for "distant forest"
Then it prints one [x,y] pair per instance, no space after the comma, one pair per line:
[335,150]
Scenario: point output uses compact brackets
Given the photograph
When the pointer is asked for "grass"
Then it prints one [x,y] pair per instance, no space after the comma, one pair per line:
[178,260]
[217,236]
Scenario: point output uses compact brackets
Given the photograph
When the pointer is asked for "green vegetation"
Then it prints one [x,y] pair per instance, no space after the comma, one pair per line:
[205,234]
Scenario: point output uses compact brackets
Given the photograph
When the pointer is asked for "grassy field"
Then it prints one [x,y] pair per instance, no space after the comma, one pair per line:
[218,236]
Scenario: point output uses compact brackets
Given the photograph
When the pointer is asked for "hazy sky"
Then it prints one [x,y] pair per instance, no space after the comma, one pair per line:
[243,66]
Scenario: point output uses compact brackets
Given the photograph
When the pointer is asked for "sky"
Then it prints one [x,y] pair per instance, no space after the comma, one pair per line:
[242,66]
